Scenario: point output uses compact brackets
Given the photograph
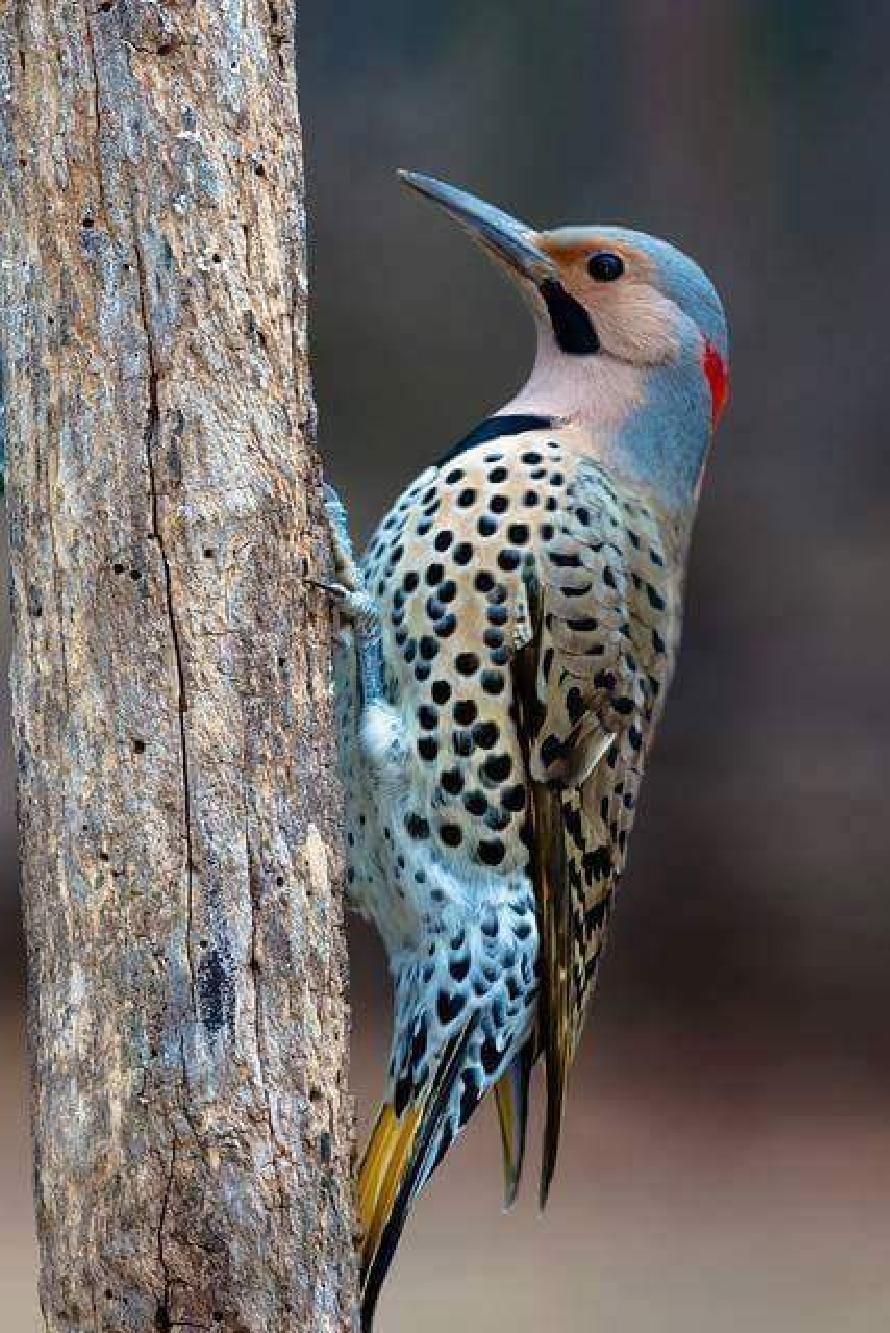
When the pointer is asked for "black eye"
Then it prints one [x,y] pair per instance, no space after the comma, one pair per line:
[604,266]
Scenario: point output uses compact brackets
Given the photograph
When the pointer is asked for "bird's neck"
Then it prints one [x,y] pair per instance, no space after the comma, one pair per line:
[647,424]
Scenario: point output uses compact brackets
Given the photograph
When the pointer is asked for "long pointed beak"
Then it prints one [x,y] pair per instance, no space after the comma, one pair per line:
[495,230]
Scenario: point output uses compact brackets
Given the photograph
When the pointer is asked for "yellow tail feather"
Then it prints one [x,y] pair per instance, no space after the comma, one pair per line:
[382,1171]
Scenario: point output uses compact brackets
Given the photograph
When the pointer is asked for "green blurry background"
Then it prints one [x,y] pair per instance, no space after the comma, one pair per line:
[726,1162]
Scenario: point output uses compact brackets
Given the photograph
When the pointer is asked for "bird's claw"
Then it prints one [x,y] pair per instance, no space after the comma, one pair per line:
[353,604]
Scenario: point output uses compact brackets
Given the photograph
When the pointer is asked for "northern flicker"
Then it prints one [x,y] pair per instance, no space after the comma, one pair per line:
[508,640]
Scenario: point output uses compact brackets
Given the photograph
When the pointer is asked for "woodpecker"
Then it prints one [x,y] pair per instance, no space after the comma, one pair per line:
[508,639]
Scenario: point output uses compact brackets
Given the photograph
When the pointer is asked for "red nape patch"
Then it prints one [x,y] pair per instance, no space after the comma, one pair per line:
[718,381]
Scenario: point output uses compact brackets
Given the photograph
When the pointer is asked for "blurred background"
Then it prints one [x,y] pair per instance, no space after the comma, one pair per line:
[726,1160]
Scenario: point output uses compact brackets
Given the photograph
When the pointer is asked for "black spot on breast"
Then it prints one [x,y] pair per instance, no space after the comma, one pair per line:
[509,559]
[416,826]
[451,835]
[452,781]
[496,767]
[492,681]
[466,663]
[440,691]
[435,574]
[490,851]
[475,803]
[428,748]
[486,734]
[463,553]
[443,541]
[487,526]
[499,504]
[466,498]
[483,582]
[465,712]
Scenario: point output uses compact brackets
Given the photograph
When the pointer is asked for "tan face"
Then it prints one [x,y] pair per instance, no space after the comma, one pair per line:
[634,321]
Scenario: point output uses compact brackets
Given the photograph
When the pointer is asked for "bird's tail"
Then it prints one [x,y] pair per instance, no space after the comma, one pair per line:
[402,1154]
[511,1097]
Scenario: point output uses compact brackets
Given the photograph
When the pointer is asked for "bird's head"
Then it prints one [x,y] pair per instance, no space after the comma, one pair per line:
[621,315]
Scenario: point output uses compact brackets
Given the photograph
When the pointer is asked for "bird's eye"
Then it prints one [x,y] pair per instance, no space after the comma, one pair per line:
[604,266]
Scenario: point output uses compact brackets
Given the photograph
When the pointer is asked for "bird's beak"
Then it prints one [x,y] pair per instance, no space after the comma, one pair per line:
[497,232]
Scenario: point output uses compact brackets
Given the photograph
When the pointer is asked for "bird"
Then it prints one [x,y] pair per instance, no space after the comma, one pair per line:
[506,644]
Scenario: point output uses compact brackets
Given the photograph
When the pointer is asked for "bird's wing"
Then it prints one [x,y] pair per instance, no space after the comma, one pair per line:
[602,608]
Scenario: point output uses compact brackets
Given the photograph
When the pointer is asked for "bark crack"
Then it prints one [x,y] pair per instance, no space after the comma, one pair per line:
[97,111]
[162,1221]
[152,435]
[258,1002]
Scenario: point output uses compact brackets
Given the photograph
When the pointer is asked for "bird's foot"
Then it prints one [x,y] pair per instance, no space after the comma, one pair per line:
[355,606]
[358,609]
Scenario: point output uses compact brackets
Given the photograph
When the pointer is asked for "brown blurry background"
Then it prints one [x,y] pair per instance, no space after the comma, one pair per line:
[726,1160]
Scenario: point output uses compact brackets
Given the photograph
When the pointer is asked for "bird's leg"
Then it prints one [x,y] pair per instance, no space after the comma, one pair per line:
[345,566]
[356,606]
[359,610]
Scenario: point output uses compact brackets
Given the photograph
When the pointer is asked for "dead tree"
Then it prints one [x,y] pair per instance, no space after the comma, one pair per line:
[172,711]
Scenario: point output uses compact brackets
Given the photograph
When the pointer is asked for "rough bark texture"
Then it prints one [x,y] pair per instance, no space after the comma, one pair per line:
[172,717]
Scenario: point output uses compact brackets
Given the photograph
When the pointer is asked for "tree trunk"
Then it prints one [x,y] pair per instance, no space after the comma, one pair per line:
[171,697]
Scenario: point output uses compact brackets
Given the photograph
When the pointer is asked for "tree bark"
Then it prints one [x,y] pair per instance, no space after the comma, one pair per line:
[171,698]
